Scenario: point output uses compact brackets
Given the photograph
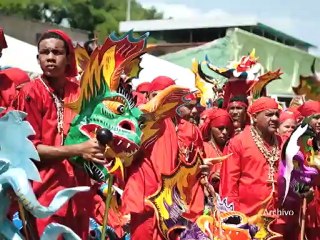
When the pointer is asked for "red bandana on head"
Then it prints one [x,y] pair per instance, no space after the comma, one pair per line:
[160,83]
[295,112]
[309,108]
[285,115]
[143,87]
[263,104]
[237,103]
[214,117]
[3,43]
[72,69]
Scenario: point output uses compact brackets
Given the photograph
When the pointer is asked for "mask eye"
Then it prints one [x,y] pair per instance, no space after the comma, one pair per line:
[120,109]
[114,106]
[141,125]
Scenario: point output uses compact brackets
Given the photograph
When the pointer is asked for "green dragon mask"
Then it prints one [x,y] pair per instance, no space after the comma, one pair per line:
[105,102]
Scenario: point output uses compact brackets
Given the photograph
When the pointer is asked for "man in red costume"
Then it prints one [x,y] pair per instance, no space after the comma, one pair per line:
[248,176]
[43,100]
[312,109]
[216,130]
[144,176]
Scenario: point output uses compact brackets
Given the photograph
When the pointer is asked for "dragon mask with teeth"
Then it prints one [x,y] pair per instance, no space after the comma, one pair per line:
[106,102]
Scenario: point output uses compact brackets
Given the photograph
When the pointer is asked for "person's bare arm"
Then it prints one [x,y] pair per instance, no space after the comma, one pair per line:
[90,150]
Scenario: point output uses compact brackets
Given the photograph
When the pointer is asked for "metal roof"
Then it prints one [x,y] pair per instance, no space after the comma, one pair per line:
[203,23]
[177,24]
[283,35]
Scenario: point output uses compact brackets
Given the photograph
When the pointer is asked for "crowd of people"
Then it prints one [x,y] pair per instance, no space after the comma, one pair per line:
[252,133]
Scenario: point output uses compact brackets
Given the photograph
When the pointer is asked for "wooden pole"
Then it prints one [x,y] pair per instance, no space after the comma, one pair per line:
[107,206]
[303,218]
[23,219]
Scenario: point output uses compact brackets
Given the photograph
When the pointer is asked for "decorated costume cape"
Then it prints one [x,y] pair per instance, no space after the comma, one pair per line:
[309,86]
[244,76]
[17,154]
[221,222]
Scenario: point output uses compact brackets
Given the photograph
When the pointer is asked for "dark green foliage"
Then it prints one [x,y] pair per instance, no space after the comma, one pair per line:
[99,17]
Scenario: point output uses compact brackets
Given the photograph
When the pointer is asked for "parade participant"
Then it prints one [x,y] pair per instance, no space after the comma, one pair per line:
[144,177]
[90,46]
[141,92]
[287,122]
[216,130]
[43,100]
[237,109]
[189,110]
[312,109]
[248,176]
[10,78]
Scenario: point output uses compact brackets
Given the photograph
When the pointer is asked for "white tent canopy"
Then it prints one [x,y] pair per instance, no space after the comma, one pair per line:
[153,67]
[21,55]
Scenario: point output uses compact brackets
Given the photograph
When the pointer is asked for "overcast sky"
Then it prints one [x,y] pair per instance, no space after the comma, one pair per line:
[298,18]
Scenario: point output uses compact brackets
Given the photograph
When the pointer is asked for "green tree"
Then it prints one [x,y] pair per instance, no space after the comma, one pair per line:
[99,17]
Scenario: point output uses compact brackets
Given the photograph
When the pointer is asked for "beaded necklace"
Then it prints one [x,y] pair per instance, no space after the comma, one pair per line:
[271,156]
[60,109]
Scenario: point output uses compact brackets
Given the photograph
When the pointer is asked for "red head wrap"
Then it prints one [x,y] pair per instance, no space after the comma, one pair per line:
[285,115]
[160,83]
[72,69]
[309,108]
[262,104]
[295,112]
[143,87]
[16,75]
[239,103]
[214,117]
[3,43]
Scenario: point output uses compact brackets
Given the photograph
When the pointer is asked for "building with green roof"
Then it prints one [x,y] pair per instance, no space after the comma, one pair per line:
[225,40]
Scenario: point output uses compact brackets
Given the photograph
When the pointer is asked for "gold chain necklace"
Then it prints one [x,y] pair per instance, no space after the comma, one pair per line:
[60,109]
[271,156]
[218,151]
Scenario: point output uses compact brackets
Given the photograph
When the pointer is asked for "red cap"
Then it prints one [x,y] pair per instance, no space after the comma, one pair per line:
[3,43]
[16,75]
[143,87]
[285,115]
[262,104]
[309,108]
[160,83]
[72,69]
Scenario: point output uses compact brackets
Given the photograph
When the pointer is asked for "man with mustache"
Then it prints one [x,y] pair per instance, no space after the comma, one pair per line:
[248,177]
